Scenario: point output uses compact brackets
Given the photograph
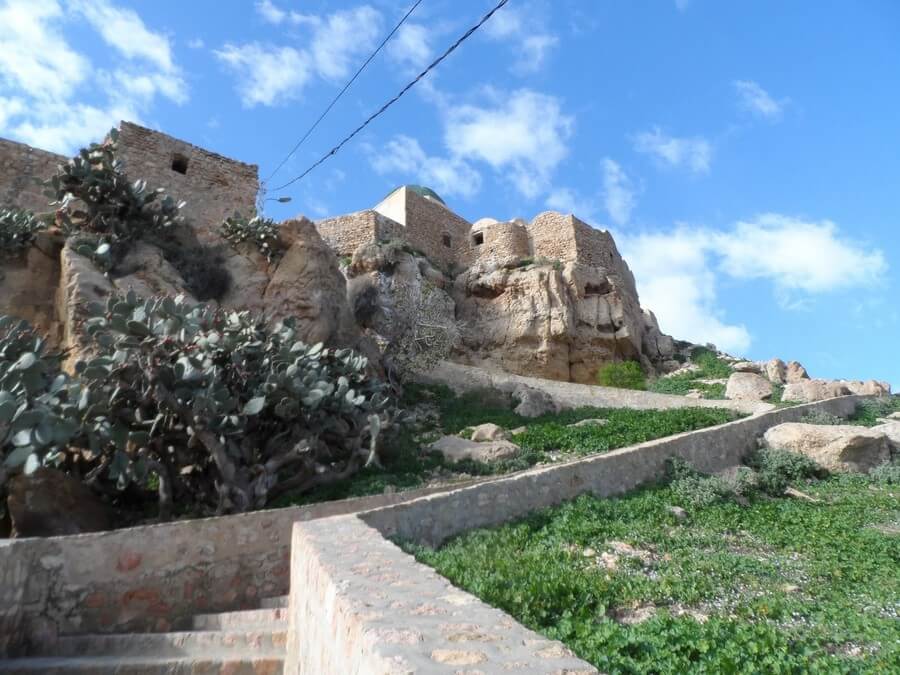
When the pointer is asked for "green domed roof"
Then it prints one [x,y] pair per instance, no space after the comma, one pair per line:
[420,190]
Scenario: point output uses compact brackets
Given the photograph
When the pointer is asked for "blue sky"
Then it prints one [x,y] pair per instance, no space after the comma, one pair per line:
[745,155]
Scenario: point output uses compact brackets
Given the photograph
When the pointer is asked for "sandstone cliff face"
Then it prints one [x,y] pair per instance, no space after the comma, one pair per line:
[559,322]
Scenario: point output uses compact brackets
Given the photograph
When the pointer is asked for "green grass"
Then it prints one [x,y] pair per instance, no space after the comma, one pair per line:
[624,374]
[786,586]
[407,465]
[711,368]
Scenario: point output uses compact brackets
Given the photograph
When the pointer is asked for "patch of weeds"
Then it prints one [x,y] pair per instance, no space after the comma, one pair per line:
[407,465]
[868,412]
[780,585]
[821,417]
[886,474]
[711,367]
[777,469]
[623,374]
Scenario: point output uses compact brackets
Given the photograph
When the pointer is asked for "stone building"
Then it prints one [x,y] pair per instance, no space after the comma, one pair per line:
[212,186]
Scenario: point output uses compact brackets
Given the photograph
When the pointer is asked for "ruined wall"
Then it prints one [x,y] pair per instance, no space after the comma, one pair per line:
[213,186]
[553,236]
[426,225]
[498,241]
[344,234]
[597,248]
[22,169]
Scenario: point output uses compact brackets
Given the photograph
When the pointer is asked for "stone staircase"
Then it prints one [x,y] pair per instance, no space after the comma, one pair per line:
[250,642]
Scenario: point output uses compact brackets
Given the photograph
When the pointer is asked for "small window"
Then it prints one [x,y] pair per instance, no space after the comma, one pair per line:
[179,163]
[478,238]
[447,241]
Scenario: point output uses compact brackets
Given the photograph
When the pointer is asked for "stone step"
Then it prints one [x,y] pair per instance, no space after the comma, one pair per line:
[248,643]
[208,664]
[274,603]
[272,619]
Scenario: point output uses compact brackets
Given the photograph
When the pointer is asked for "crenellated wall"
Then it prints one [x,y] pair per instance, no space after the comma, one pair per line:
[22,170]
[499,241]
[213,186]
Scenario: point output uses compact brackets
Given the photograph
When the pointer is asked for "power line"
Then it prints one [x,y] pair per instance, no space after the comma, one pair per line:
[341,92]
[396,98]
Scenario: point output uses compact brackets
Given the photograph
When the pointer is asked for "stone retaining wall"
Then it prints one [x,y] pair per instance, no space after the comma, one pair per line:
[361,605]
[151,578]
[461,378]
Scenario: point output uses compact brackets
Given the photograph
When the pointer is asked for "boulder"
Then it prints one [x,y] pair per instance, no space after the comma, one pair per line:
[794,372]
[776,371]
[748,387]
[488,432]
[867,388]
[808,391]
[455,449]
[835,447]
[533,402]
[746,367]
[592,422]
[48,503]
[891,429]
[308,285]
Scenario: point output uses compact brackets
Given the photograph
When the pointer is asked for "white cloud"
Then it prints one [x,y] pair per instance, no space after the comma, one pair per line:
[695,153]
[678,271]
[521,28]
[267,74]
[124,30]
[405,157]
[566,200]
[758,101]
[618,192]
[533,52]
[343,36]
[34,55]
[798,255]
[57,98]
[676,281]
[524,133]
[410,45]
[269,12]
[273,14]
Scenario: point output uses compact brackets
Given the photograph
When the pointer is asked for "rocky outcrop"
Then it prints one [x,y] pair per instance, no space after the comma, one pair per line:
[456,449]
[48,503]
[748,387]
[835,447]
[307,284]
[808,391]
[560,322]
[794,372]
[776,371]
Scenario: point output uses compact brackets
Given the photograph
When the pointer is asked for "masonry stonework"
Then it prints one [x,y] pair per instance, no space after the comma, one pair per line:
[213,186]
[22,170]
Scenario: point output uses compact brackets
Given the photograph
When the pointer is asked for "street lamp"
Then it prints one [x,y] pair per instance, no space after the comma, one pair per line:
[280,200]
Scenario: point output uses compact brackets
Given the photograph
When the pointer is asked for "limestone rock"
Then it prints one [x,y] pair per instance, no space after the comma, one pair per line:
[746,367]
[49,503]
[308,285]
[748,387]
[808,391]
[488,432]
[591,422]
[533,402]
[557,322]
[891,429]
[835,447]
[776,371]
[867,388]
[455,449]
[794,372]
